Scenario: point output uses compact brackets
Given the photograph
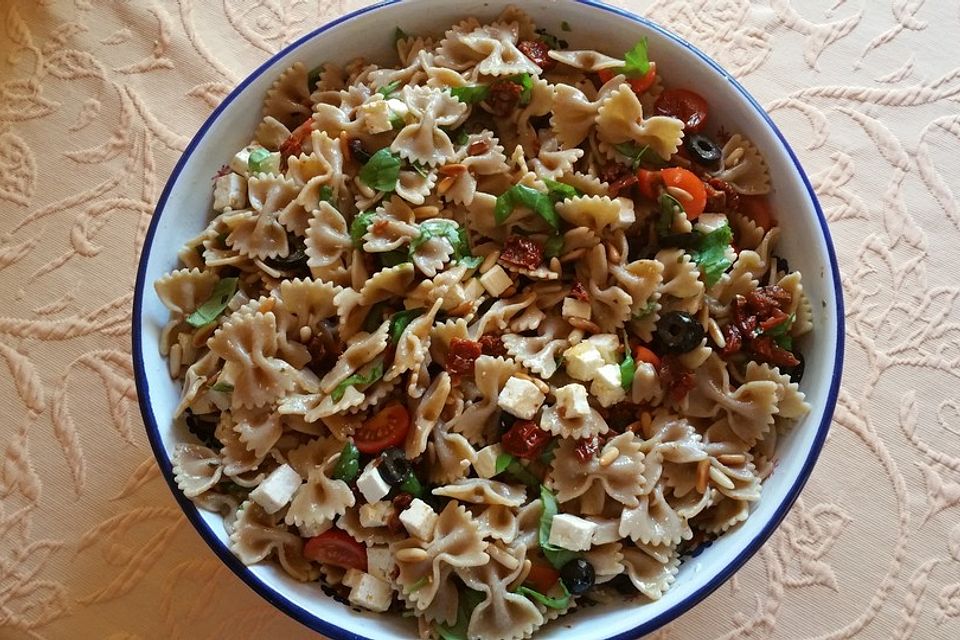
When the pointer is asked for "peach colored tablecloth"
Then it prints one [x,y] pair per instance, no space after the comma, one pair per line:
[99,97]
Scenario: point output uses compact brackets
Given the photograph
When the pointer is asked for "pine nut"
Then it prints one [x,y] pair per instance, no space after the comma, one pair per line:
[426,211]
[412,554]
[715,333]
[452,170]
[731,458]
[478,147]
[176,359]
[703,472]
[461,309]
[445,185]
[646,421]
[584,325]
[555,265]
[680,194]
[305,334]
[613,254]
[608,456]
[717,476]
[735,157]
[489,261]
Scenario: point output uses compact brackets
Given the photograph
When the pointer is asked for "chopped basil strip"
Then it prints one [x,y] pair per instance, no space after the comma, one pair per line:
[710,254]
[374,317]
[222,387]
[525,80]
[639,155]
[313,78]
[628,368]
[555,555]
[552,41]
[358,380]
[522,195]
[399,322]
[553,247]
[411,484]
[326,195]
[397,122]
[509,463]
[359,226]
[436,228]
[560,191]
[388,90]
[348,465]
[503,461]
[211,309]
[553,603]
[471,94]
[781,332]
[636,61]
[381,171]
[393,258]
[669,208]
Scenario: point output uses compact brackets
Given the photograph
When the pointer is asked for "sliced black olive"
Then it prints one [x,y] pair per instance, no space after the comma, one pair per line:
[782,265]
[357,152]
[679,332]
[796,372]
[203,428]
[623,585]
[702,149]
[295,260]
[394,466]
[578,576]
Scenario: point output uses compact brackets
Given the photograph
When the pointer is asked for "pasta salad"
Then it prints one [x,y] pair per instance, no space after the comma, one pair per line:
[484,335]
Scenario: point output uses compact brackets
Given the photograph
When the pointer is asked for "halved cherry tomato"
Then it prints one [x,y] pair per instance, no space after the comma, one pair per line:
[648,182]
[639,84]
[757,208]
[338,548]
[685,105]
[386,429]
[606,75]
[689,182]
[542,577]
[525,439]
[644,354]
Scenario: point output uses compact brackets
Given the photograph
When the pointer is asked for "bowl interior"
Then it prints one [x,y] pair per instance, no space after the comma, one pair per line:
[185,205]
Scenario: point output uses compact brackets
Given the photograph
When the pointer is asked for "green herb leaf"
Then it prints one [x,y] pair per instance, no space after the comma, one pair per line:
[313,78]
[399,322]
[647,309]
[552,41]
[522,195]
[411,484]
[397,122]
[640,155]
[437,228]
[471,94]
[393,258]
[358,380]
[555,555]
[504,460]
[669,208]
[459,136]
[326,195]
[784,342]
[628,368]
[636,61]
[468,601]
[471,262]
[348,465]
[525,80]
[710,254]
[783,328]
[256,160]
[547,601]
[374,317]
[546,457]
[398,35]
[381,171]
[419,584]
[565,26]
[560,191]
[211,309]
[222,387]
[359,226]
[388,90]
[553,247]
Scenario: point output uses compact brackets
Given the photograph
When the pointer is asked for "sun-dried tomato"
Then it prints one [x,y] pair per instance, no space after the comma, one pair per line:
[619,185]
[586,449]
[752,315]
[676,379]
[504,97]
[522,252]
[462,355]
[721,196]
[613,172]
[324,349]
[293,145]
[537,51]
[579,292]
[767,350]
[525,439]
[400,502]
[492,345]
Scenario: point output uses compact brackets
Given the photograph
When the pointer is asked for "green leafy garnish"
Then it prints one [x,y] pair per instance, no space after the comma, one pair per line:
[388,90]
[393,258]
[460,136]
[551,40]
[670,207]
[222,387]
[781,333]
[710,254]
[525,80]
[503,461]
[471,94]
[211,309]
[522,195]
[436,228]
[546,457]
[374,317]
[468,601]
[565,26]
[547,601]
[419,584]
[358,380]
[398,35]
[359,226]
[647,309]
[553,247]
[399,322]
[326,195]
[639,155]
[559,191]
[397,122]
[420,168]
[636,61]
[509,463]
[256,161]
[555,555]
[313,77]
[628,368]
[348,465]
[411,484]
[381,171]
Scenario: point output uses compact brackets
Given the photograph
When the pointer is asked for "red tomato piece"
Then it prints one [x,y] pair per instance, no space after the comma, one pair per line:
[757,208]
[690,183]
[542,577]
[462,356]
[644,354]
[386,429]
[644,82]
[338,548]
[605,75]
[649,183]
[525,439]
[687,106]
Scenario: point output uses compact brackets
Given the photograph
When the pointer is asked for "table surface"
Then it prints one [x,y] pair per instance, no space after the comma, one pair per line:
[98,99]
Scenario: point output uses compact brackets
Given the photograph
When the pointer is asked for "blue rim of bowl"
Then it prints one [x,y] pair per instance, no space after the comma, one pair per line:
[307,618]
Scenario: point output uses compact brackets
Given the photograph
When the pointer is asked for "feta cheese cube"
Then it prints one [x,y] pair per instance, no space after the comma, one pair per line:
[230,192]
[352,577]
[608,530]
[376,116]
[486,462]
[571,532]
[473,290]
[380,562]
[572,399]
[277,489]
[573,308]
[710,222]
[375,514]
[371,485]
[398,108]
[372,593]
[607,386]
[608,344]
[520,398]
[496,281]
[419,519]
[240,162]
[582,361]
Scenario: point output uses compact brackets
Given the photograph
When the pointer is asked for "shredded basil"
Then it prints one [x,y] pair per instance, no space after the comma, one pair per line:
[669,208]
[525,80]
[471,94]
[222,387]
[522,195]
[358,380]
[628,368]
[553,247]
[555,555]
[211,309]
[348,465]
[399,322]
[313,78]
[326,195]
[781,333]
[553,603]
[374,317]
[411,484]
[381,171]
[639,155]
[388,90]
[710,254]
[559,191]
[359,226]
[637,60]
[508,463]
[419,584]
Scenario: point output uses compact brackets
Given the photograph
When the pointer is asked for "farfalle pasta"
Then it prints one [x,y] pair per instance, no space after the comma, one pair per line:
[493,306]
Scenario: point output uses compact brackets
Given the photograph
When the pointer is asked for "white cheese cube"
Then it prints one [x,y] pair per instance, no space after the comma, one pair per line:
[608,530]
[375,514]
[380,562]
[352,577]
[371,485]
[376,116]
[398,108]
[486,462]
[277,489]
[520,398]
[240,162]
[573,308]
[582,361]
[572,400]
[496,281]
[607,386]
[473,290]
[372,593]
[419,519]
[571,532]
[710,222]
[608,344]
[230,192]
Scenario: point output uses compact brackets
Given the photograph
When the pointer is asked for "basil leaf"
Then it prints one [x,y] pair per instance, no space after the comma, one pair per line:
[437,228]
[547,601]
[222,387]
[460,136]
[647,309]
[211,309]
[636,61]
[552,41]
[522,195]
[525,80]
[555,555]
[639,155]
[553,247]
[399,322]
[326,195]
[504,460]
[387,90]
[669,207]
[710,254]
[393,258]
[508,463]
[398,35]
[468,601]
[411,484]
[471,262]
[784,342]
[359,226]
[471,94]
[374,317]
[628,368]
[348,465]
[559,191]
[783,328]
[397,122]
[358,380]
[381,171]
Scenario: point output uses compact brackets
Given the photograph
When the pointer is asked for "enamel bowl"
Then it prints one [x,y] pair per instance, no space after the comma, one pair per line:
[182,213]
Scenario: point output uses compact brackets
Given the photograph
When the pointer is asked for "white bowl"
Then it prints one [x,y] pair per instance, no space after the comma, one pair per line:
[182,212]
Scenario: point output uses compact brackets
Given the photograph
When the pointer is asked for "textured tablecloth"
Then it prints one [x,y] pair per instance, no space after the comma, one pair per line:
[99,97]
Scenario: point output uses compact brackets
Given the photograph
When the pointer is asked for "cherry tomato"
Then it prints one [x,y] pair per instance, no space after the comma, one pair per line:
[525,439]
[685,105]
[542,577]
[606,75]
[644,354]
[689,182]
[338,548]
[644,82]
[648,182]
[386,429]
[757,208]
